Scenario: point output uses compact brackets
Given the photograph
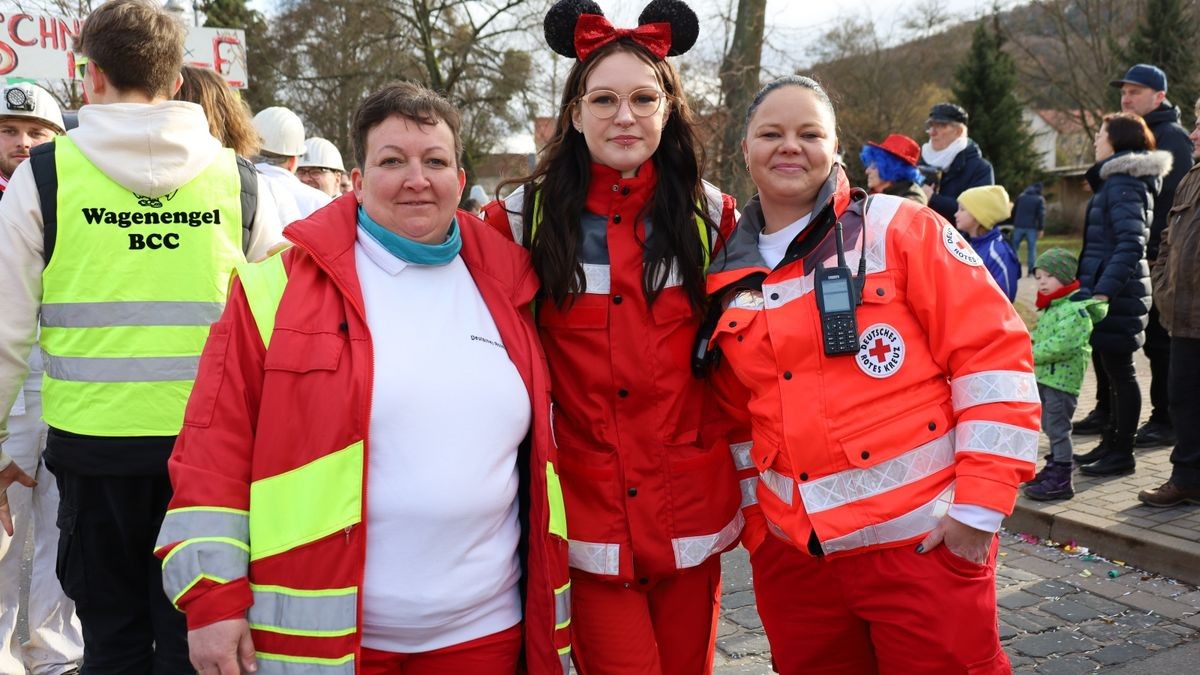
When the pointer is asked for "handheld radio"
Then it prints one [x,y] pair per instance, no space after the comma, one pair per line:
[837,297]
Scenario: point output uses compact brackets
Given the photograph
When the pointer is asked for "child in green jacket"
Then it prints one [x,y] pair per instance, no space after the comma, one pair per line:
[1060,356]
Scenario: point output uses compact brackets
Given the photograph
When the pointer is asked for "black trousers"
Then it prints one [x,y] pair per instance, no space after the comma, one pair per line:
[1103,393]
[1185,410]
[1158,350]
[108,525]
[1124,396]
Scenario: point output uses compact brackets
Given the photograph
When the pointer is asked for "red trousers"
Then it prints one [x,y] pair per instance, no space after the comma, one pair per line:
[892,611]
[494,654]
[669,628]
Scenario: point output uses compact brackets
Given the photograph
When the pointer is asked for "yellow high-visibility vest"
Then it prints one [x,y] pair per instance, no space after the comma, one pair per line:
[129,293]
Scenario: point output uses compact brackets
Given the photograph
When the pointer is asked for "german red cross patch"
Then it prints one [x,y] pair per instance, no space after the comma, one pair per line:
[959,248]
[880,351]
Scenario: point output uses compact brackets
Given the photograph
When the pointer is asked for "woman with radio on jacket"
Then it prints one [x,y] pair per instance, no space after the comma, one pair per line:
[893,407]
[620,227]
[331,512]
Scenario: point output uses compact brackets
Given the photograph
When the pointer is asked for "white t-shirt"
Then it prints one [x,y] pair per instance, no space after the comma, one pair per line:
[288,191]
[448,411]
[772,247]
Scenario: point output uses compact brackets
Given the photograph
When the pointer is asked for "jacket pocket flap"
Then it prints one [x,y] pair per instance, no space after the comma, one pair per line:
[896,435]
[304,352]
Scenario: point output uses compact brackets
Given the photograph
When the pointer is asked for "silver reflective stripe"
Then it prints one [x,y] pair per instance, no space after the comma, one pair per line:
[107,314]
[598,278]
[691,551]
[996,438]
[912,524]
[189,523]
[139,369]
[674,278]
[779,485]
[852,485]
[593,557]
[278,664]
[993,386]
[218,560]
[749,488]
[564,660]
[778,532]
[293,611]
[876,222]
[562,605]
[741,455]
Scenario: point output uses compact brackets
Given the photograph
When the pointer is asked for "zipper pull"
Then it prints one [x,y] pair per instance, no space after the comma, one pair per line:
[347,531]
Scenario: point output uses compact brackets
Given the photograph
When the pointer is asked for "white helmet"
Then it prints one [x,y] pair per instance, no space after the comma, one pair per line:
[29,100]
[321,153]
[281,130]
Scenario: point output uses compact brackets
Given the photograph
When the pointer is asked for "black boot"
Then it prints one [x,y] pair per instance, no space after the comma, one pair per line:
[1116,461]
[1095,454]
[1093,423]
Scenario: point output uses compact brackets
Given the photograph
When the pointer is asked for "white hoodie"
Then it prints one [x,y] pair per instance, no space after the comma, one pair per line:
[150,149]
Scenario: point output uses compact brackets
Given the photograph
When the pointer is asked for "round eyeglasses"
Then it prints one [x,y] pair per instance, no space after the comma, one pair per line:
[604,104]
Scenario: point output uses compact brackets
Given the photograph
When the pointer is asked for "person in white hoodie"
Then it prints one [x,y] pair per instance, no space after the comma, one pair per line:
[121,236]
[283,146]
[30,117]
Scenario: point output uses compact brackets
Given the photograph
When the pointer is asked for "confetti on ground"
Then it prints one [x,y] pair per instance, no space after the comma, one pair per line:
[1085,573]
[1113,574]
[1088,557]
[1029,538]
[1119,562]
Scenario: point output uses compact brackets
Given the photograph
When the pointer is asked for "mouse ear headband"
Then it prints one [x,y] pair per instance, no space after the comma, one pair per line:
[577,28]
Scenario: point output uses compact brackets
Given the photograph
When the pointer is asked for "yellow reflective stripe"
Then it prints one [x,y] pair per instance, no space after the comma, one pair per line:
[216,558]
[264,283]
[565,650]
[307,503]
[197,521]
[187,587]
[283,664]
[704,239]
[554,494]
[562,606]
[330,612]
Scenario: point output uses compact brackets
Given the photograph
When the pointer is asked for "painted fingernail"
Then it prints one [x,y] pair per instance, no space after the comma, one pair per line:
[920,548]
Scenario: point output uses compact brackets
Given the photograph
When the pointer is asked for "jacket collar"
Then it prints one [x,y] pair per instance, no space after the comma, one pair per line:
[329,234]
[607,186]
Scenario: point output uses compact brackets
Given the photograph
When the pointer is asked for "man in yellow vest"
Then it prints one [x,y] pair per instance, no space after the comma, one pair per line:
[121,236]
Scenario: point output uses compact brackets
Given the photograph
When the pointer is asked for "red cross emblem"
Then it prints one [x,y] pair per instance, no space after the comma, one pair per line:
[880,350]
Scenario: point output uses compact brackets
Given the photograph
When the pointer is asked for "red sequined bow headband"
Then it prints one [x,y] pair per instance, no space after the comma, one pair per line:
[593,31]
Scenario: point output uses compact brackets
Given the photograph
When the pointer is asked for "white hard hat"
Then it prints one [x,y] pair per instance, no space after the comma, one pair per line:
[281,130]
[478,194]
[29,100]
[320,152]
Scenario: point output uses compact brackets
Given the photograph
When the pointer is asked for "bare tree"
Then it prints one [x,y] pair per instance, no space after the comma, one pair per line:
[739,82]
[331,53]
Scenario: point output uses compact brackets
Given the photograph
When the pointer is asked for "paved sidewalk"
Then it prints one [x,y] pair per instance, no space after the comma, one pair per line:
[1105,514]
[1060,613]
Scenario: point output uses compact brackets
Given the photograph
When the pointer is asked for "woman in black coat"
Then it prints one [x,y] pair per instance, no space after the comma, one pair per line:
[1112,267]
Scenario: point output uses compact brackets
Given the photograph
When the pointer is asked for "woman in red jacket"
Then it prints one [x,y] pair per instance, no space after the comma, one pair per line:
[332,510]
[621,227]
[893,404]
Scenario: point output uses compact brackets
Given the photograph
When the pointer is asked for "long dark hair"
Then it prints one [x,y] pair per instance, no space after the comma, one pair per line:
[563,172]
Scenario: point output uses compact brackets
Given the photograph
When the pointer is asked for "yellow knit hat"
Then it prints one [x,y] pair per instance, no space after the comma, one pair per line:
[988,204]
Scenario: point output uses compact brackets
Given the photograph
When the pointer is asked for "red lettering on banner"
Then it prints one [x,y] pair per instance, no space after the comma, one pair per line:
[220,63]
[49,32]
[14,25]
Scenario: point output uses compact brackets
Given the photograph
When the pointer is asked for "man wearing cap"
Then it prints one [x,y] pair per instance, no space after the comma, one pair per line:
[1144,92]
[120,236]
[321,166]
[891,168]
[282,135]
[1176,281]
[1029,219]
[952,158]
[29,117]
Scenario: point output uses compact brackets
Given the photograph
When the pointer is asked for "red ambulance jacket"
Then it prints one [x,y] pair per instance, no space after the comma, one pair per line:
[939,405]
[645,455]
[268,516]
